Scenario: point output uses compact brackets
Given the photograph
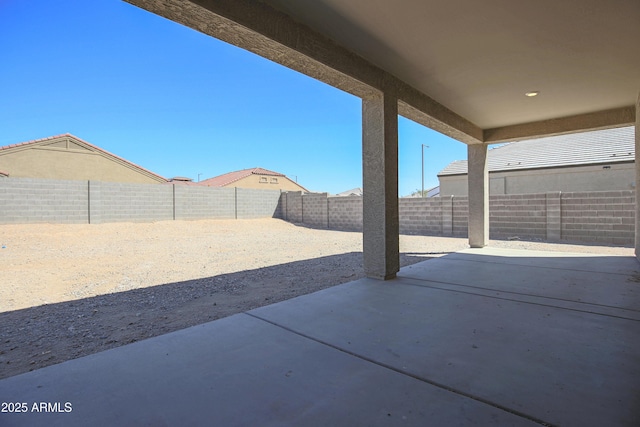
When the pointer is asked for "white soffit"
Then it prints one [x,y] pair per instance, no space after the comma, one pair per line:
[478,58]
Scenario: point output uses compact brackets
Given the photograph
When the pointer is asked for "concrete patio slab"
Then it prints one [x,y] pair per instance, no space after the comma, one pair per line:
[546,363]
[627,265]
[404,352]
[605,281]
[238,371]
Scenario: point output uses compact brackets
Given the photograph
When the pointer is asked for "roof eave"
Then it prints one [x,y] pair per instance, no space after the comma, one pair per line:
[625,161]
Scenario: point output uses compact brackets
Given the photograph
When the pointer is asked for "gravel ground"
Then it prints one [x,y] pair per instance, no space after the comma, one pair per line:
[73,290]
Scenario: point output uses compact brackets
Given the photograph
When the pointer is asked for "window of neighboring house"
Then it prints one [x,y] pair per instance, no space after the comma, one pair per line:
[263,180]
[274,180]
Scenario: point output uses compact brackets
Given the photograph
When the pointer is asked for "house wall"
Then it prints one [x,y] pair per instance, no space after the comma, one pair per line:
[56,162]
[618,176]
[266,182]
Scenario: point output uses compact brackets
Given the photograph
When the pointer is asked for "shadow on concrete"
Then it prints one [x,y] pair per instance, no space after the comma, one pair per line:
[40,336]
[549,337]
[478,337]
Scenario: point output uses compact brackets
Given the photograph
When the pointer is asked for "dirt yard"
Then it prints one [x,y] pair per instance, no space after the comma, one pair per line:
[72,290]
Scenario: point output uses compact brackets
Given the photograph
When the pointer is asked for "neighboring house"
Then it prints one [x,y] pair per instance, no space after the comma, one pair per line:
[257,178]
[70,158]
[181,180]
[589,161]
[352,192]
[431,192]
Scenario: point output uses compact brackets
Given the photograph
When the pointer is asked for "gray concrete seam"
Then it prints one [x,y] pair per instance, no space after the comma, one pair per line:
[407,374]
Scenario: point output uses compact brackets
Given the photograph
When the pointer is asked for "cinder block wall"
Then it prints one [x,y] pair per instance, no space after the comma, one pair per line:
[293,211]
[460,217]
[604,217]
[345,213]
[252,203]
[27,200]
[518,215]
[446,209]
[420,216]
[122,202]
[193,202]
[316,206]
[598,217]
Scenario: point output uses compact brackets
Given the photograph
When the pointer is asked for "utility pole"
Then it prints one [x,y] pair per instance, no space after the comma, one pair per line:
[422,194]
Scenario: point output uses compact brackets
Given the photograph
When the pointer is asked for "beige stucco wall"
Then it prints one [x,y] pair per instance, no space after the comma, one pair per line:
[255,181]
[619,176]
[69,164]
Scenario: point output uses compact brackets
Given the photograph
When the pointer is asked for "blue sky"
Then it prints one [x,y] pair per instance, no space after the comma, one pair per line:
[180,103]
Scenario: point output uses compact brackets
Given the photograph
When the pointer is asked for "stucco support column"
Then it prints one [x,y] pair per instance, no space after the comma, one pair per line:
[638,177]
[381,227]
[478,177]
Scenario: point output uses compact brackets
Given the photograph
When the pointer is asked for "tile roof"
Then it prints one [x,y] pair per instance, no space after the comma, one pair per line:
[353,192]
[50,138]
[586,148]
[181,180]
[433,192]
[228,178]
[68,135]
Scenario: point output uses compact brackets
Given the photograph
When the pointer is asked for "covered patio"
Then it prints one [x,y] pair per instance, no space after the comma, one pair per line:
[479,337]
[481,73]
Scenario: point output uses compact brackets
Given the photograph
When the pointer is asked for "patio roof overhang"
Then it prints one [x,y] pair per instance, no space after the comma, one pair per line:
[460,67]
[465,64]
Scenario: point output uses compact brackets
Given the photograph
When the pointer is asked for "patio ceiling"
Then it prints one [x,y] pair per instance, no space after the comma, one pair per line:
[464,64]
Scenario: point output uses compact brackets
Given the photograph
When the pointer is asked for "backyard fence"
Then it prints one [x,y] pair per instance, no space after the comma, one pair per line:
[595,216]
[27,200]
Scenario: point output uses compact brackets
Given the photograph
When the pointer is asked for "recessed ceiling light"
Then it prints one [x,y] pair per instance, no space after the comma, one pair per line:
[532,93]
